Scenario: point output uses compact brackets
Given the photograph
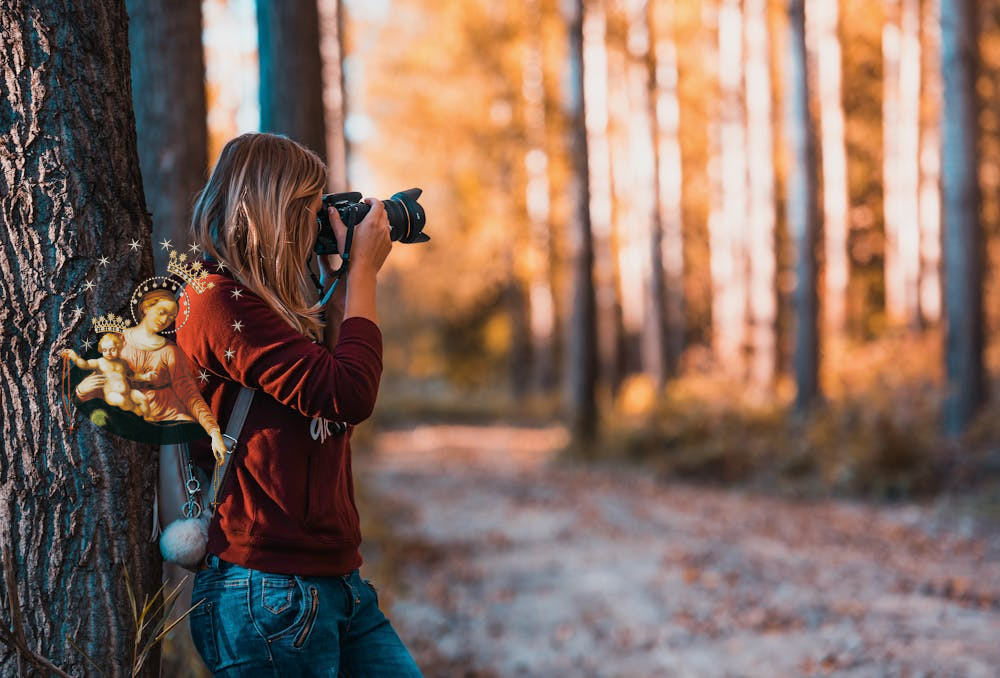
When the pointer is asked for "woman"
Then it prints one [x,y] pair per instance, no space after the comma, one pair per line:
[280,589]
[169,389]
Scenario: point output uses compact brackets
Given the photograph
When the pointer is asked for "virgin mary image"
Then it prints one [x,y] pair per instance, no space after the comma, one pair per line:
[161,400]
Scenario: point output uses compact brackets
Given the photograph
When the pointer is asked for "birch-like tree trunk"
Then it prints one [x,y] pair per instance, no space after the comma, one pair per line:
[901,134]
[581,332]
[168,88]
[332,49]
[824,42]
[541,305]
[761,243]
[599,96]
[75,505]
[963,238]
[727,228]
[291,80]
[930,167]
[801,206]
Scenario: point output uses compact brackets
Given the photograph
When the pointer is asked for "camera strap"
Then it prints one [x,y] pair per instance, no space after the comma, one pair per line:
[338,275]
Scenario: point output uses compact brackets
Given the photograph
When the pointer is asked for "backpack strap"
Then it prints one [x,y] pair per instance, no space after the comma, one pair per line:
[231,436]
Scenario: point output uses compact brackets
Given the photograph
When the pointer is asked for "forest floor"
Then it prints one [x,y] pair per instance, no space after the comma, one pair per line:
[501,560]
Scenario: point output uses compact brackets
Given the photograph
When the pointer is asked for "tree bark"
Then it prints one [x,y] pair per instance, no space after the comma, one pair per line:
[168,87]
[802,209]
[963,263]
[332,48]
[291,80]
[75,505]
[581,330]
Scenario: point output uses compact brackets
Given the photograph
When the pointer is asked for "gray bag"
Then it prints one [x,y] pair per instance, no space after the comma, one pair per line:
[186,496]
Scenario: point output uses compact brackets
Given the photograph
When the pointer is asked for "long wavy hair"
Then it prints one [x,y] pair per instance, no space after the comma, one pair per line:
[255,215]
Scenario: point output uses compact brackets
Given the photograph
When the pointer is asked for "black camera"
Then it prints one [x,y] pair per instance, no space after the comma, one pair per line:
[406,217]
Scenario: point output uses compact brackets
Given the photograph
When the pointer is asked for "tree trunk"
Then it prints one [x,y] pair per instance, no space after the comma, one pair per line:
[930,168]
[541,320]
[168,87]
[727,228]
[963,263]
[761,257]
[822,18]
[76,504]
[291,81]
[581,353]
[332,48]
[801,209]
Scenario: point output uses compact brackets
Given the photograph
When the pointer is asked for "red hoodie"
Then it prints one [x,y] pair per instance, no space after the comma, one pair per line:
[287,505]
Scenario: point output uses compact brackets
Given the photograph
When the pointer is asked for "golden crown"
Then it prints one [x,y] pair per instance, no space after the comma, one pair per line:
[109,323]
[191,273]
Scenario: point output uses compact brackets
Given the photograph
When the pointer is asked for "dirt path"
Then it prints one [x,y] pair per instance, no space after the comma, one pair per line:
[507,564]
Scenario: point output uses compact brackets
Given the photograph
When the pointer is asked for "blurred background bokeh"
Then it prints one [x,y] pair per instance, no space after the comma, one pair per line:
[746,244]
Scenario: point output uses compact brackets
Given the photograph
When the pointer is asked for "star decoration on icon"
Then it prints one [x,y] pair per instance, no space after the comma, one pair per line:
[230,353]
[89,285]
[87,344]
[165,244]
[77,312]
[238,325]
[220,265]
[203,376]
[104,261]
[193,248]
[236,293]
[134,245]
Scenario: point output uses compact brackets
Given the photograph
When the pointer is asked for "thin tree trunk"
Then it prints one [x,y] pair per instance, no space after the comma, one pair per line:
[963,263]
[802,209]
[540,297]
[665,114]
[581,332]
[168,74]
[762,261]
[930,168]
[291,82]
[598,98]
[332,49]
[75,505]
[822,18]
[727,229]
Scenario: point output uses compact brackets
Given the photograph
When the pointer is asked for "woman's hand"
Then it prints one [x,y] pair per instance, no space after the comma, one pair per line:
[371,240]
[218,446]
[92,383]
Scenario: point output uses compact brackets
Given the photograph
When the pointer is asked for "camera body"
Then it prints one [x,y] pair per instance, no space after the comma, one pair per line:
[406,218]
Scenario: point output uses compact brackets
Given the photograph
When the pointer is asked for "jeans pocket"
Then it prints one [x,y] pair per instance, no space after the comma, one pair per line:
[203,634]
[368,583]
[277,604]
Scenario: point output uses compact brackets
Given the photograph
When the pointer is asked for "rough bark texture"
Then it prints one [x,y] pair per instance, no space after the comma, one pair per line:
[581,332]
[802,209]
[168,88]
[332,48]
[291,82]
[75,506]
[963,264]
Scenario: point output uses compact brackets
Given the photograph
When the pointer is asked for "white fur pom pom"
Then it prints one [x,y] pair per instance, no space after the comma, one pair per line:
[184,541]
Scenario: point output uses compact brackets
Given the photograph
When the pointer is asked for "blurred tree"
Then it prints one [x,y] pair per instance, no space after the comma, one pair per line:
[332,47]
[581,351]
[901,136]
[802,209]
[963,238]
[727,223]
[75,504]
[824,43]
[930,165]
[168,87]
[291,80]
[761,242]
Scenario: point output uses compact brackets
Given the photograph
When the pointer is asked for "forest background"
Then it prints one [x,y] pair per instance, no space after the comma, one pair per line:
[734,241]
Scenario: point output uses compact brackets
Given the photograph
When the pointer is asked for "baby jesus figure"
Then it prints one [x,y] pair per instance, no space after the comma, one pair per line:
[118,375]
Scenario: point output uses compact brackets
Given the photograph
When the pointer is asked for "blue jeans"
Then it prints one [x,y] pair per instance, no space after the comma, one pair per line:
[254,623]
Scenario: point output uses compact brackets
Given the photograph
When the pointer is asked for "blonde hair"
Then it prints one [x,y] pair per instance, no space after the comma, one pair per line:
[111,338]
[255,215]
[150,299]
